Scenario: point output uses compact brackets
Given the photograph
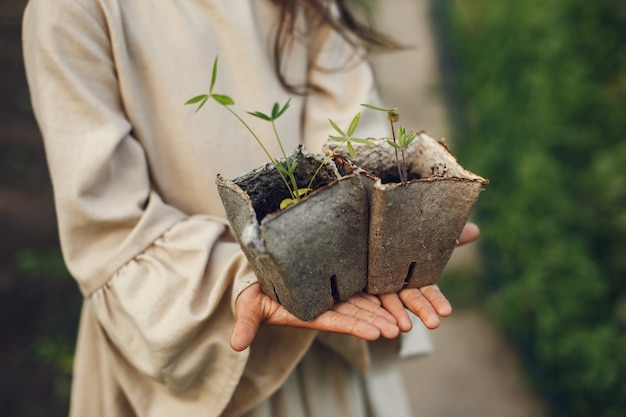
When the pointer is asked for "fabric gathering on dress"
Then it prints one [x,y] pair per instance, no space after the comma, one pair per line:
[142,227]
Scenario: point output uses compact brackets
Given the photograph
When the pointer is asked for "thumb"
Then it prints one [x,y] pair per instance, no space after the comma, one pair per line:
[247,323]
[470,233]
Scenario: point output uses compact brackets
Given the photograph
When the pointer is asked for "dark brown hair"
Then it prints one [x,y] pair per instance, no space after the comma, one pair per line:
[337,15]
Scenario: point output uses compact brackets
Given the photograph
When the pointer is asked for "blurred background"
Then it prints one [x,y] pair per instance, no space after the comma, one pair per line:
[531,95]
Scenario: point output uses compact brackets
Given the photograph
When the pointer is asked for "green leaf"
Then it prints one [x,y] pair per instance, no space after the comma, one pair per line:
[363,141]
[351,149]
[275,110]
[303,191]
[392,143]
[213,75]
[337,138]
[224,100]
[410,139]
[401,136]
[260,115]
[202,99]
[287,202]
[371,106]
[292,167]
[337,128]
[354,123]
[403,140]
[197,99]
[285,107]
[281,168]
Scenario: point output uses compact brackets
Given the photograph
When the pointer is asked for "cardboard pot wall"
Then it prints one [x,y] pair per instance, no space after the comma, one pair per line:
[414,227]
[307,256]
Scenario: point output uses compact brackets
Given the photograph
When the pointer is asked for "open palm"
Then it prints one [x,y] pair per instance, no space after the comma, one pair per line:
[363,315]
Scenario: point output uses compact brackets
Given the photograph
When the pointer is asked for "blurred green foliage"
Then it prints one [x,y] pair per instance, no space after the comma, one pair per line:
[39,309]
[538,92]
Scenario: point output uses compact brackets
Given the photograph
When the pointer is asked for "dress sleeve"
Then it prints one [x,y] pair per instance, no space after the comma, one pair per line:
[162,283]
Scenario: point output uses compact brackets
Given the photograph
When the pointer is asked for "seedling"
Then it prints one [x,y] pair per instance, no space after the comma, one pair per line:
[285,169]
[345,139]
[400,142]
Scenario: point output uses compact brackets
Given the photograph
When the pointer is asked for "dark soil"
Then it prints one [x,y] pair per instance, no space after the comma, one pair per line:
[267,190]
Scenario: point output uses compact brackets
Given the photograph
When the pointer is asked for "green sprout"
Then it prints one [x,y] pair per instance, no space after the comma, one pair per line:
[344,139]
[287,169]
[400,142]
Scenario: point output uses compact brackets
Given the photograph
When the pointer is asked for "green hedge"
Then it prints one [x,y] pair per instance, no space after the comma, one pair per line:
[538,93]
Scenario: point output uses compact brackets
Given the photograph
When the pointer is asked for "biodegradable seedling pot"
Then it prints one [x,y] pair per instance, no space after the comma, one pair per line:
[309,255]
[414,226]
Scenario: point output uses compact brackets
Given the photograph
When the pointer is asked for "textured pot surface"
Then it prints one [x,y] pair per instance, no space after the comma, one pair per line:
[414,227]
[310,255]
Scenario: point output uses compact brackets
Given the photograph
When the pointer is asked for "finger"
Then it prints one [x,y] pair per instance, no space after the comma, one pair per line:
[332,321]
[361,316]
[243,333]
[392,303]
[415,301]
[361,310]
[341,320]
[247,322]
[371,297]
[469,234]
[436,298]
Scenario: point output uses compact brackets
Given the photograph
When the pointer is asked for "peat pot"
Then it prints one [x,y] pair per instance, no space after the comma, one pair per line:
[309,255]
[413,227]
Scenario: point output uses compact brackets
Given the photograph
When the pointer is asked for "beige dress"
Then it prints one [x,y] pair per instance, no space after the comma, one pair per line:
[140,221]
